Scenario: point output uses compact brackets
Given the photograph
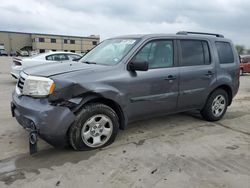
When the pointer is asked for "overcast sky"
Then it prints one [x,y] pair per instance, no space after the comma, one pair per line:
[115,17]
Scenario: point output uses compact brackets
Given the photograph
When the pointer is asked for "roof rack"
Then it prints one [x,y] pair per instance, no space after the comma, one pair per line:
[199,33]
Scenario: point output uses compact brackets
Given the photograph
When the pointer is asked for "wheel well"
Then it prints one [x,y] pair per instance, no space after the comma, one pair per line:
[229,92]
[116,107]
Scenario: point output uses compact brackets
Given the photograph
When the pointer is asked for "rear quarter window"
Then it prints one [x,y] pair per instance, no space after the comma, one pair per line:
[225,52]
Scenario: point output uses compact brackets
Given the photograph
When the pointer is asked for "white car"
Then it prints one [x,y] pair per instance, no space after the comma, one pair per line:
[23,53]
[50,57]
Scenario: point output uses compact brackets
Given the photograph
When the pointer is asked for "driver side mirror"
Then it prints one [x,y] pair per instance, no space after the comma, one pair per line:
[138,66]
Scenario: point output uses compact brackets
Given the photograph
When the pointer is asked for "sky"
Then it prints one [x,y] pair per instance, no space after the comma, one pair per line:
[109,18]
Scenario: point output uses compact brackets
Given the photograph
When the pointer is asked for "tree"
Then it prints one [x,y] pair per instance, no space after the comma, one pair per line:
[240,49]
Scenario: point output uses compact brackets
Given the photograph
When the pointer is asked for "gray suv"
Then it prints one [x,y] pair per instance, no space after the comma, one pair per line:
[125,79]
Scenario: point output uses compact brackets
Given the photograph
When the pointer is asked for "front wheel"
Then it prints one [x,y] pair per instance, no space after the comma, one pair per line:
[216,105]
[96,126]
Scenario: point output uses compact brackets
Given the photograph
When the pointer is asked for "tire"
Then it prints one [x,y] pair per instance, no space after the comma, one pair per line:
[241,72]
[96,126]
[211,107]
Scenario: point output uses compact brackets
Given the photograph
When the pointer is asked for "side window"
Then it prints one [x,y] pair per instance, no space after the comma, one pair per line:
[225,52]
[194,52]
[72,57]
[63,57]
[243,60]
[57,57]
[144,53]
[49,58]
[158,53]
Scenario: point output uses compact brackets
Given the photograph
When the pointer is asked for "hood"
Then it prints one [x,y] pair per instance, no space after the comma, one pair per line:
[53,69]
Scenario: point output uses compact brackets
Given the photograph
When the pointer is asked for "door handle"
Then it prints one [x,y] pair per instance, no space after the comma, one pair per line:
[209,73]
[171,77]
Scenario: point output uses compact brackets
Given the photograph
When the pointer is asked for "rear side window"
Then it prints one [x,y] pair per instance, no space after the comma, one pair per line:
[194,52]
[225,52]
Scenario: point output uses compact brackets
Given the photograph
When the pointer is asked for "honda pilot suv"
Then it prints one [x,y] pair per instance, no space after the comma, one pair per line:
[125,79]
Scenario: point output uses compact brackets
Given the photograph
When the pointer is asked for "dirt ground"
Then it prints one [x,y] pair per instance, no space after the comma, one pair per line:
[173,151]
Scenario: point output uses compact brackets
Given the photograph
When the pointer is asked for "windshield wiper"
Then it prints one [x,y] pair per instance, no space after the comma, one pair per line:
[89,62]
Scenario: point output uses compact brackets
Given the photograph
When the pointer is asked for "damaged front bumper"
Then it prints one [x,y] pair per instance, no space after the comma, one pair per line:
[41,118]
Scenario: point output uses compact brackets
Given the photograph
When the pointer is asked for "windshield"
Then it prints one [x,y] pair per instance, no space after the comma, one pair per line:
[109,52]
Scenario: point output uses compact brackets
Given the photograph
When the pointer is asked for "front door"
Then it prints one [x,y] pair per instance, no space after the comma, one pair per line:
[154,91]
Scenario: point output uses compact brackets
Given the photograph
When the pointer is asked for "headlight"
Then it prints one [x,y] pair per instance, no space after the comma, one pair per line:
[38,86]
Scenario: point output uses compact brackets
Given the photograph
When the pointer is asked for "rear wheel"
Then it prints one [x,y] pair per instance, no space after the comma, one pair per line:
[216,105]
[96,126]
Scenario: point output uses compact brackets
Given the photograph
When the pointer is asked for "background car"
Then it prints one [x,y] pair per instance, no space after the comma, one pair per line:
[50,57]
[24,52]
[33,52]
[3,53]
[244,64]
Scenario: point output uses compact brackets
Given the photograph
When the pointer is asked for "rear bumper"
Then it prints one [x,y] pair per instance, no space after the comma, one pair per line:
[51,122]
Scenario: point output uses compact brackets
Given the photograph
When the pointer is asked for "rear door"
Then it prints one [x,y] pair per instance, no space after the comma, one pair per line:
[197,73]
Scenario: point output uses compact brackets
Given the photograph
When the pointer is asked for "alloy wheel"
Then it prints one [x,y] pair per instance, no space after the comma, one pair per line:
[97,130]
[218,105]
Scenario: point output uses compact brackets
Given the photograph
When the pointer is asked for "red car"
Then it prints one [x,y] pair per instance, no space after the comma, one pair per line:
[244,64]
